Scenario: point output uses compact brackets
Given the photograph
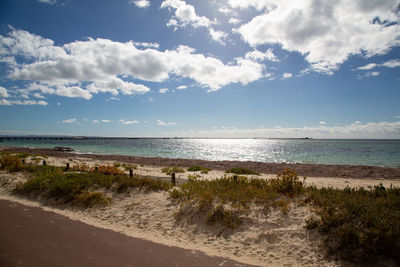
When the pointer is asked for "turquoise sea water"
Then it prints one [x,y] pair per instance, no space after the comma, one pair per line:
[322,151]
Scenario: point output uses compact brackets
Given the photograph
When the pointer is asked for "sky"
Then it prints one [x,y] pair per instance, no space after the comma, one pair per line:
[211,68]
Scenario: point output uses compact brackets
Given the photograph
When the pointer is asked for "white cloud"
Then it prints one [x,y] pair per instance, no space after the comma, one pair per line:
[58,104]
[5,102]
[355,130]
[286,75]
[368,66]
[394,63]
[260,56]
[150,99]
[326,32]
[130,122]
[181,87]
[84,68]
[162,123]
[50,2]
[234,21]
[163,90]
[218,36]
[322,122]
[3,92]
[141,3]
[145,44]
[372,74]
[186,15]
[69,121]
[37,95]
[106,121]
[225,10]
[95,121]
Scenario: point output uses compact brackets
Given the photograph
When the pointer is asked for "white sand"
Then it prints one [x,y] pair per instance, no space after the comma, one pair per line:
[271,239]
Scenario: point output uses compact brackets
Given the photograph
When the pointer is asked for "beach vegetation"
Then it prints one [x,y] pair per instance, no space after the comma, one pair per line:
[82,188]
[128,167]
[237,193]
[11,162]
[198,168]
[117,164]
[23,155]
[242,171]
[171,169]
[358,225]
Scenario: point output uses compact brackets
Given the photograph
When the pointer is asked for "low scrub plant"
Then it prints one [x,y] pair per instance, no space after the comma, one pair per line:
[128,167]
[237,192]
[11,162]
[198,168]
[82,188]
[359,225]
[242,171]
[175,169]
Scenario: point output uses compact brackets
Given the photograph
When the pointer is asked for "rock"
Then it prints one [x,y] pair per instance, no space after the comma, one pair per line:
[63,148]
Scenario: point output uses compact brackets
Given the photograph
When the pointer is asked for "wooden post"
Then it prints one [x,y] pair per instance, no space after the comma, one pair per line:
[130,173]
[67,166]
[23,161]
[44,163]
[173,178]
[235,178]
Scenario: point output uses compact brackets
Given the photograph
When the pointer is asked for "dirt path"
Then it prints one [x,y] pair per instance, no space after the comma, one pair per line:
[30,236]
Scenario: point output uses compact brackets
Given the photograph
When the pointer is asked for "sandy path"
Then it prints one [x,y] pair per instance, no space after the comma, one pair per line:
[31,236]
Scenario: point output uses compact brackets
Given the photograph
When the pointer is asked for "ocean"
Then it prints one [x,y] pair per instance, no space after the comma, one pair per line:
[319,151]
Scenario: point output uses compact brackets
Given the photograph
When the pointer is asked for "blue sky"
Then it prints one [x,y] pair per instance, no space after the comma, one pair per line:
[216,68]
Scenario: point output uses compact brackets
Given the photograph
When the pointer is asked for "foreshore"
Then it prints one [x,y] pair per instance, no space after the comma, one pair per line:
[309,170]
[264,238]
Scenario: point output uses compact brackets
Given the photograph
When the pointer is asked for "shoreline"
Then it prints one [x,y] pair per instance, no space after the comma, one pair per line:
[303,169]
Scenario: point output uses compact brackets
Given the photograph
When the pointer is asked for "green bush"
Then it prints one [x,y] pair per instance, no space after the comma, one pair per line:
[359,225]
[11,163]
[77,188]
[198,168]
[175,169]
[242,171]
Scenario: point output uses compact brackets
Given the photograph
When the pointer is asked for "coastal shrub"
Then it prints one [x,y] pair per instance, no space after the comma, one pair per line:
[79,188]
[198,168]
[128,167]
[22,155]
[175,169]
[223,216]
[359,225]
[90,199]
[108,169]
[117,164]
[82,167]
[237,192]
[11,163]
[287,182]
[242,171]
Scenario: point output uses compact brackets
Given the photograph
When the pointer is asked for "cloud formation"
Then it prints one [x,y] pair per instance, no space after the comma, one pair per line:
[141,3]
[325,32]
[83,68]
[163,123]
[394,63]
[186,15]
[354,130]
[69,121]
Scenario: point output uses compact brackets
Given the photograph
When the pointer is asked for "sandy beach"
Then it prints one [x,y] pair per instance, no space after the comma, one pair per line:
[264,239]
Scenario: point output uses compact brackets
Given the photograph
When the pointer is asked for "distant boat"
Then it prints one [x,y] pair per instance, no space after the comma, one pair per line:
[307,137]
